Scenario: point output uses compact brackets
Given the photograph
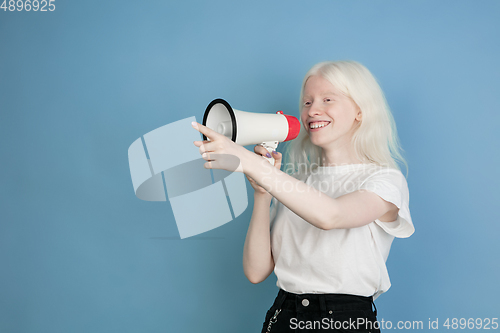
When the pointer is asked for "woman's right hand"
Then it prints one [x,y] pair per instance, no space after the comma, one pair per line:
[260,150]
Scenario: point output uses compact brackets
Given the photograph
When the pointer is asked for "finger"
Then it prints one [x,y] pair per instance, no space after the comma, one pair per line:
[206,156]
[199,143]
[258,149]
[277,158]
[209,133]
[205,146]
[210,146]
[207,165]
[250,179]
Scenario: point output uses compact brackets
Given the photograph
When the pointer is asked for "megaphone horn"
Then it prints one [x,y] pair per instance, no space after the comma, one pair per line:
[248,128]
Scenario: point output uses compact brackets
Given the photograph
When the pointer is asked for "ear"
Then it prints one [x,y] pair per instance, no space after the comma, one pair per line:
[359,116]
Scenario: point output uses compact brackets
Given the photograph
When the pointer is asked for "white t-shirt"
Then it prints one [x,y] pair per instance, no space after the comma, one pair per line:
[345,261]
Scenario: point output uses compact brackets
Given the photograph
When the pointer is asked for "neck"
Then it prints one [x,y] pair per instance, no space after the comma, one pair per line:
[341,151]
[338,158]
[339,155]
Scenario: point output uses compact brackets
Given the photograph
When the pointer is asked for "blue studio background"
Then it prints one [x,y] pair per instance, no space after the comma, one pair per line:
[80,253]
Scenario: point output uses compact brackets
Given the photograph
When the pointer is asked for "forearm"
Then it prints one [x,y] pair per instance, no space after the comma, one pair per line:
[258,261]
[310,204]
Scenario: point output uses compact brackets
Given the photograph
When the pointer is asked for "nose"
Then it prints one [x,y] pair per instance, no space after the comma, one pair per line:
[314,110]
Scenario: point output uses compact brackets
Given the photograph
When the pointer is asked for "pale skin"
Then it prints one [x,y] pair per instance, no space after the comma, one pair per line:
[322,102]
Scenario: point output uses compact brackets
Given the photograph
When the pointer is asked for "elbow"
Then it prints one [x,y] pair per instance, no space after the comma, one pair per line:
[325,226]
[254,278]
[328,222]
[332,217]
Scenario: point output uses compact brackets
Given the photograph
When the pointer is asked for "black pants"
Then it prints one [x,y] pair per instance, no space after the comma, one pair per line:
[325,313]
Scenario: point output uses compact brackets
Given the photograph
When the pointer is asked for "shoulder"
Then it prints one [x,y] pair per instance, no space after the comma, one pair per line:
[388,183]
[391,185]
[378,174]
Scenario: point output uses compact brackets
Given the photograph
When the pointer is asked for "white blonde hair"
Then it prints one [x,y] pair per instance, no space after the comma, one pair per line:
[374,141]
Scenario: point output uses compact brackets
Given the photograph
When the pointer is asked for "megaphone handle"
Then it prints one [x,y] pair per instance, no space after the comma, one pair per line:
[270,146]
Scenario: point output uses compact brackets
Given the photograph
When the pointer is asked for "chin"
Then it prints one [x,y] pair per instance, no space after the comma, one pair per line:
[320,141]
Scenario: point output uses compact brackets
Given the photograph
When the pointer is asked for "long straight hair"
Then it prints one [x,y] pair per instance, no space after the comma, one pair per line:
[374,141]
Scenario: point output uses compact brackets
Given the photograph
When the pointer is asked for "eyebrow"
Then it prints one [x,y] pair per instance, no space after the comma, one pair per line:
[326,93]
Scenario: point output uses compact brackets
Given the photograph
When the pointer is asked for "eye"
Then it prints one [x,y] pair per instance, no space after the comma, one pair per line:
[328,100]
[307,103]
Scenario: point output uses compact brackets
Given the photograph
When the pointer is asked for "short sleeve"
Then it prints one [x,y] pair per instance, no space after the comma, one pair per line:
[391,185]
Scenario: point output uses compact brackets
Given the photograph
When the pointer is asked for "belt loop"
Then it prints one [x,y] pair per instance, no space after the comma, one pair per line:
[280,299]
[322,305]
[374,311]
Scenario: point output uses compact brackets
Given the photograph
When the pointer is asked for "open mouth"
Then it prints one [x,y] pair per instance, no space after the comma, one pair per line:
[318,125]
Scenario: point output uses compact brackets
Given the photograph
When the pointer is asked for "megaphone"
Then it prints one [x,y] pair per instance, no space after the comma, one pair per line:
[248,128]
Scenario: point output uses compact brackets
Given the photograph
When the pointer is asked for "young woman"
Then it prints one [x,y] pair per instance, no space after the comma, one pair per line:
[335,210]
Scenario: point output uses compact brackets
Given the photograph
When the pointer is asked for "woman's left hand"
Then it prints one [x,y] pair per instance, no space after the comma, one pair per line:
[220,152]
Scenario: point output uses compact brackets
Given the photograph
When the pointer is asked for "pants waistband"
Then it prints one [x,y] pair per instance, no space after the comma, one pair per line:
[323,302]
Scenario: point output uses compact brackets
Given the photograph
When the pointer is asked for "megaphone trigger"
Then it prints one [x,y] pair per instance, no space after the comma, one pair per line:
[270,146]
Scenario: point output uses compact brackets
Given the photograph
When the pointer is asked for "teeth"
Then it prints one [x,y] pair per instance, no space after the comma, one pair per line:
[317,125]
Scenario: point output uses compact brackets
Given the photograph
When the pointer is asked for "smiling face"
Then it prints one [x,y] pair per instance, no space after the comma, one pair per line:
[329,116]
